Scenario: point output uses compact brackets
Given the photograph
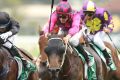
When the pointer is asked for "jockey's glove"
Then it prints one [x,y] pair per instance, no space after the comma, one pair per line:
[6,35]
[106,30]
[47,35]
[66,38]
[85,30]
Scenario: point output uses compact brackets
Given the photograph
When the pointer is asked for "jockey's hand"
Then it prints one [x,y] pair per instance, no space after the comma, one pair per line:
[6,35]
[106,30]
[66,38]
[85,30]
[47,35]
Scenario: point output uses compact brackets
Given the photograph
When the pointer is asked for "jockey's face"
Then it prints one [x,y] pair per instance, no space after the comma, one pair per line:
[89,15]
[63,18]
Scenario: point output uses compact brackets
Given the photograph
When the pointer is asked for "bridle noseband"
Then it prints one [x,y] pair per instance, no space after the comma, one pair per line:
[64,51]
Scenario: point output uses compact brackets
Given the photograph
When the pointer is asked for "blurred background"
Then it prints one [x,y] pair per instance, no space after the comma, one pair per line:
[33,14]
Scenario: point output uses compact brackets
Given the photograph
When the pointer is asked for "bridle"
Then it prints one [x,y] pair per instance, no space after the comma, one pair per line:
[66,46]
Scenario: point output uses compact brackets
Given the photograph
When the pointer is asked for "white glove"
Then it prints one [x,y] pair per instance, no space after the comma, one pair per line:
[5,36]
[85,30]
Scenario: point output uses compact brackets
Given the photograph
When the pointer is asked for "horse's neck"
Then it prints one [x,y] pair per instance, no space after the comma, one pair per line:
[5,51]
[66,68]
[114,52]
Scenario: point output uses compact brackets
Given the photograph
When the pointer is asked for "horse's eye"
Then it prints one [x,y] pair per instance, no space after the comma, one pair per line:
[57,70]
[47,50]
[62,50]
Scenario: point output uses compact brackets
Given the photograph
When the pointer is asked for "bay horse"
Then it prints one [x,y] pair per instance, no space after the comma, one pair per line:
[114,75]
[9,66]
[107,75]
[44,73]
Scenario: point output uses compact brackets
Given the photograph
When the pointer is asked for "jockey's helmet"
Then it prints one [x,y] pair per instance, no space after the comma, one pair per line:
[63,8]
[89,6]
[4,19]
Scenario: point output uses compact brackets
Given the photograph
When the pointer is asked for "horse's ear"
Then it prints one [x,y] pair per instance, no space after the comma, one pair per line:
[41,33]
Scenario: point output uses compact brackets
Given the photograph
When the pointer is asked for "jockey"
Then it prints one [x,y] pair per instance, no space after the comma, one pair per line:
[98,22]
[8,29]
[61,20]
[66,21]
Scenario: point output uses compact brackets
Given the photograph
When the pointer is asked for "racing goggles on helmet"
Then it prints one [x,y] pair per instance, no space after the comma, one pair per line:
[63,16]
[89,13]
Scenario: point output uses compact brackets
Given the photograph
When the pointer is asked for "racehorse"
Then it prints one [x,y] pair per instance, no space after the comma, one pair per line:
[9,66]
[107,75]
[114,75]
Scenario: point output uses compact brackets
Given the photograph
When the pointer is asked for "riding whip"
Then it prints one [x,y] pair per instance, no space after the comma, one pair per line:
[52,4]
[113,42]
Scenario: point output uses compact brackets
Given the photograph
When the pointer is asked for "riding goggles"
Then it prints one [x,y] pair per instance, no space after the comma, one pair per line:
[63,16]
[89,13]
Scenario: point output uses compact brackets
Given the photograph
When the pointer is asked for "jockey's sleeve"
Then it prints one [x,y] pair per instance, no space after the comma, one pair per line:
[108,20]
[52,23]
[14,26]
[75,24]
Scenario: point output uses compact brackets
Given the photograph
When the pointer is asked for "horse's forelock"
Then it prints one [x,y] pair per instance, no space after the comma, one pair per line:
[55,45]
[55,41]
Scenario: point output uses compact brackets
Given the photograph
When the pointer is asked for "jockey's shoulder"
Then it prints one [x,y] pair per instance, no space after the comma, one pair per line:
[74,12]
[80,12]
[54,15]
[101,10]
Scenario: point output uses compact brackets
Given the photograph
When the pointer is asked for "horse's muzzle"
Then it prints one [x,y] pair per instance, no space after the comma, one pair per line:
[54,70]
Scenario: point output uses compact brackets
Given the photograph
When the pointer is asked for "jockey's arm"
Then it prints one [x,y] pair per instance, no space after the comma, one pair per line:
[14,28]
[49,26]
[66,38]
[75,24]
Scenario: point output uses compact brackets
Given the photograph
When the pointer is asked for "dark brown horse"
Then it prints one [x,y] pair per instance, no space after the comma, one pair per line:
[9,66]
[63,64]
[114,75]
[101,67]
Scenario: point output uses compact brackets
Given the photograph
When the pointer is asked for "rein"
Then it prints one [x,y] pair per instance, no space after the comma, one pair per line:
[63,60]
[68,70]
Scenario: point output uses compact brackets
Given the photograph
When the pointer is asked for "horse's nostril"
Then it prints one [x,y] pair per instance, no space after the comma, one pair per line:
[57,70]
[50,70]
[53,69]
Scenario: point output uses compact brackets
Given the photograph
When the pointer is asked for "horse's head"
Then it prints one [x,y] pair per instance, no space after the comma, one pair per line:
[55,51]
